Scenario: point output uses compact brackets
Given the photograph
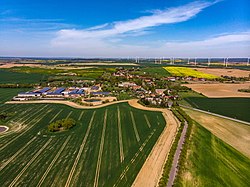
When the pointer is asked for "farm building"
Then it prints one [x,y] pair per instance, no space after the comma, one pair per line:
[100,93]
[29,94]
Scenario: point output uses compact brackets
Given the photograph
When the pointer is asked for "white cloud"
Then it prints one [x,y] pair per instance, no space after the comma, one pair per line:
[158,17]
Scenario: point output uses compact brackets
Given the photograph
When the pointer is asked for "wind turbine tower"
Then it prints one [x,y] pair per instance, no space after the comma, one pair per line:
[188,61]
[226,62]
[247,61]
[208,61]
[195,61]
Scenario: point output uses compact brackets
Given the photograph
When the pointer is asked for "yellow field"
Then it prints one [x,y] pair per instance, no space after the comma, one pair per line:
[188,72]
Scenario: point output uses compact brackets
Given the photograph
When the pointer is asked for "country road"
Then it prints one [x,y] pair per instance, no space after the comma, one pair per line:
[174,168]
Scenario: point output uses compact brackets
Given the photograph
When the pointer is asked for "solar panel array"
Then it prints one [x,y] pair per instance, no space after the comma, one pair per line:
[77,91]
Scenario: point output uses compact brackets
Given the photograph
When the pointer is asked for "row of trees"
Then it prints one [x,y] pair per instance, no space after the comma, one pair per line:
[61,125]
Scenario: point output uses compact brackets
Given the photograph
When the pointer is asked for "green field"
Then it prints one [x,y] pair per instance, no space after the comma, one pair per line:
[107,147]
[211,162]
[232,107]
[89,73]
[7,94]
[188,72]
[16,77]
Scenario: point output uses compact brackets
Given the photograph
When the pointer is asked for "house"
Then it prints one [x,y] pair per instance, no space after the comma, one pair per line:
[160,91]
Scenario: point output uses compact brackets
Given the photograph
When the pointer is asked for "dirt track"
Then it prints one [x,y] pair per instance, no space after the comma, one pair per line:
[151,171]
[69,103]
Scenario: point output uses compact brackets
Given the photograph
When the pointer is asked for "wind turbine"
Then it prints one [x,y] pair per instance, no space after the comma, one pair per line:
[208,61]
[226,62]
[188,60]
[195,61]
[247,61]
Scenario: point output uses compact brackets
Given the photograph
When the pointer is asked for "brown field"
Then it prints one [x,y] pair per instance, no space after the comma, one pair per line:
[11,65]
[234,133]
[220,90]
[225,72]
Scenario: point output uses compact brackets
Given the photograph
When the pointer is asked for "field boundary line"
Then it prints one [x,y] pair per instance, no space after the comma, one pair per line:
[134,126]
[29,163]
[99,161]
[55,116]
[134,157]
[53,161]
[214,114]
[148,123]
[80,151]
[38,120]
[80,117]
[120,134]
[69,114]
[14,156]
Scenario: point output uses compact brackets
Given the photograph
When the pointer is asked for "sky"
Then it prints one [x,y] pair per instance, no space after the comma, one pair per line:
[131,28]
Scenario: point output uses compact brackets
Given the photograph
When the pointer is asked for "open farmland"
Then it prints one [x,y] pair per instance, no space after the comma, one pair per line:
[234,133]
[225,72]
[91,73]
[188,72]
[211,162]
[7,94]
[19,77]
[107,147]
[220,89]
[231,107]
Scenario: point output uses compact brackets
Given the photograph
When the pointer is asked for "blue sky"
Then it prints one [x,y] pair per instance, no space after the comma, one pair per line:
[118,28]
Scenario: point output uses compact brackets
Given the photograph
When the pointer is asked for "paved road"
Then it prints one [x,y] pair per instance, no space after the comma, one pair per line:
[174,168]
[218,115]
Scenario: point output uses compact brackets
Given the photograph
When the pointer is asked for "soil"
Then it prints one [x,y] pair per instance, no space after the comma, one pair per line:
[224,72]
[220,90]
[11,65]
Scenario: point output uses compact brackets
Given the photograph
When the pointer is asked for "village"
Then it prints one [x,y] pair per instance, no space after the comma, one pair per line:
[121,85]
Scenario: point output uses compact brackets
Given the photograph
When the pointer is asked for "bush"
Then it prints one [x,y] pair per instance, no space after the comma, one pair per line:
[61,125]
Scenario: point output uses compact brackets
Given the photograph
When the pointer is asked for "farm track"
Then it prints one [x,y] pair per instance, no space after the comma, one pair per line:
[80,151]
[92,156]
[69,114]
[80,117]
[36,120]
[120,135]
[134,126]
[99,161]
[16,154]
[14,123]
[134,158]
[29,163]
[53,162]
[55,116]
[148,123]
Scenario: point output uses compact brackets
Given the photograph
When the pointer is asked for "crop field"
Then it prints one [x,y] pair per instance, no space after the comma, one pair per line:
[231,132]
[211,162]
[84,73]
[7,76]
[156,71]
[232,107]
[107,147]
[188,72]
[7,94]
